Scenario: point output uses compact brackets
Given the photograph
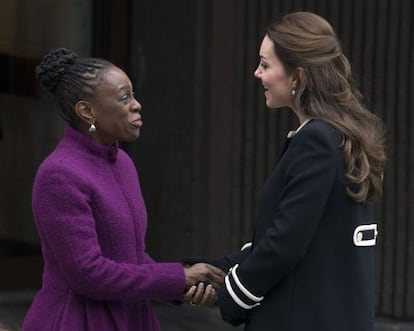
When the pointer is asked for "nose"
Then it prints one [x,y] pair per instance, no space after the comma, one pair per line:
[136,106]
[257,72]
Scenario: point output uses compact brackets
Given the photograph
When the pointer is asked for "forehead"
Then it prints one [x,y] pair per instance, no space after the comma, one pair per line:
[114,79]
[266,48]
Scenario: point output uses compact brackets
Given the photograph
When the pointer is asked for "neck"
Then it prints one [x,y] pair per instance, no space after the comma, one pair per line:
[301,118]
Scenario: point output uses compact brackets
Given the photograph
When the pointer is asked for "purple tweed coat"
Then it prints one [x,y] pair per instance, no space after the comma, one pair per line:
[92,220]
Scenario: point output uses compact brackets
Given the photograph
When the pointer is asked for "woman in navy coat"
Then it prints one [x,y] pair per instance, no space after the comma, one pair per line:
[310,264]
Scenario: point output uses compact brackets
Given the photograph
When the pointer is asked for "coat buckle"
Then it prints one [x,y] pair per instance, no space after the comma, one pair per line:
[365,235]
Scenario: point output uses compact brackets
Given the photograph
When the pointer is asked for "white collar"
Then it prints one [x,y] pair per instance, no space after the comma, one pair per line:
[291,134]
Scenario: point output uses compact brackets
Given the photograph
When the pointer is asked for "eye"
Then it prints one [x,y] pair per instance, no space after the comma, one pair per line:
[264,65]
[124,97]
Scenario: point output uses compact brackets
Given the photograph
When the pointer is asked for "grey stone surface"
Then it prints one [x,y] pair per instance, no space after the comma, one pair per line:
[14,305]
[390,325]
[186,317]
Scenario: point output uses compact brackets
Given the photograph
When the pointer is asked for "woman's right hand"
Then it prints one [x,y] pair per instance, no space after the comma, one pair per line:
[203,272]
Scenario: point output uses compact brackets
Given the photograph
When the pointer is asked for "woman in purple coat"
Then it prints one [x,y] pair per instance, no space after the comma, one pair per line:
[90,213]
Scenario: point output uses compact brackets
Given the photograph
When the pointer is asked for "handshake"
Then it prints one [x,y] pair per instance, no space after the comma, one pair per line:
[201,282]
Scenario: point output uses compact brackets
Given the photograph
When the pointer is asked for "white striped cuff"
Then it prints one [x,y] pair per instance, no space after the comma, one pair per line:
[246,245]
[249,296]
[247,293]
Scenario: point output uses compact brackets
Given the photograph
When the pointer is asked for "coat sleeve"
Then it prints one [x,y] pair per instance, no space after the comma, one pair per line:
[308,181]
[67,226]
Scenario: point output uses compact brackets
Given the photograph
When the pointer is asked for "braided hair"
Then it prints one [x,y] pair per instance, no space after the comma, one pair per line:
[69,79]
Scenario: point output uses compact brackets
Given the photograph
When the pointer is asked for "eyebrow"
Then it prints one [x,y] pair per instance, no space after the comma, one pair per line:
[125,87]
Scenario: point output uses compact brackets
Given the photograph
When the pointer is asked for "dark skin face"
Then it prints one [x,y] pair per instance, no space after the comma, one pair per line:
[116,114]
[113,109]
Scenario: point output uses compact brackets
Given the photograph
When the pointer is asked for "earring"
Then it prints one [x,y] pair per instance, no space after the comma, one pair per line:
[293,92]
[92,128]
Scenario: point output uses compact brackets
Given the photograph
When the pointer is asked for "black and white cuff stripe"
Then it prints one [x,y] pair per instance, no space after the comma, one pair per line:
[246,246]
[239,293]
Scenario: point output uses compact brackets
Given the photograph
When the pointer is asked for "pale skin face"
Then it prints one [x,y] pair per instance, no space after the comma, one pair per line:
[278,83]
[114,110]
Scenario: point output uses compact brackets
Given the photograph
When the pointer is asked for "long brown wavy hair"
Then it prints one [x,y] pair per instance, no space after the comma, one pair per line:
[326,92]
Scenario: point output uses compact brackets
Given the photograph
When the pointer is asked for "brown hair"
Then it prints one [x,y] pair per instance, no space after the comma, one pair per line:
[326,92]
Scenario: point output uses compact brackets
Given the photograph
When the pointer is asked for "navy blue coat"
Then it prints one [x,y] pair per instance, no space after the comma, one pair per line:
[310,266]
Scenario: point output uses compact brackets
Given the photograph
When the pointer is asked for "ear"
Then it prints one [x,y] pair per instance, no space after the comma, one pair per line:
[84,111]
[297,77]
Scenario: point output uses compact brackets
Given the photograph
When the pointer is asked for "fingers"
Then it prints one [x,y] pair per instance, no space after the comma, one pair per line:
[209,295]
[216,271]
[197,297]
[189,294]
[215,276]
[203,295]
[203,272]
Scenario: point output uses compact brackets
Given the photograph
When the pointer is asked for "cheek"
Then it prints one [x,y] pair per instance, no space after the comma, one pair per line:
[112,118]
[280,86]
[277,78]
[279,89]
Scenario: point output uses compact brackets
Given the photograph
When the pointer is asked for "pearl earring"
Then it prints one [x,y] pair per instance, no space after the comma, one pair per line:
[293,92]
[92,128]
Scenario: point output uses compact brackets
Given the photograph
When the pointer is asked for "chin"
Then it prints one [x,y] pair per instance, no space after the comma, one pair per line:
[130,139]
[275,106]
[134,135]
[271,105]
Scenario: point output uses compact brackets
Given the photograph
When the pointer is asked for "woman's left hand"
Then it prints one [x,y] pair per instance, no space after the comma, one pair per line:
[200,295]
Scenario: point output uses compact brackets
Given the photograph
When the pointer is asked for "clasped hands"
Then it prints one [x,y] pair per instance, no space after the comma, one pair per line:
[201,281]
